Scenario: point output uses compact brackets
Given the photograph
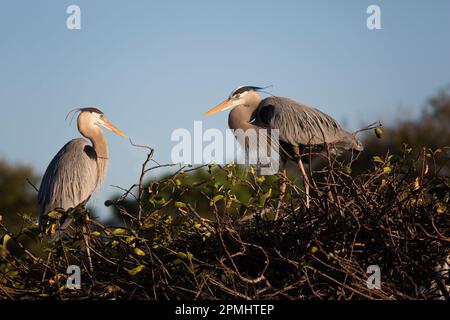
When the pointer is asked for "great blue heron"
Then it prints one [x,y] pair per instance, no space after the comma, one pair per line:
[301,127]
[77,170]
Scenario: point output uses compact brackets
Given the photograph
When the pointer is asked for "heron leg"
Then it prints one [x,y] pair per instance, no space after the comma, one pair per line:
[283,185]
[305,180]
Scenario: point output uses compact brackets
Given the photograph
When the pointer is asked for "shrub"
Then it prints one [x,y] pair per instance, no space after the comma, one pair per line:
[211,233]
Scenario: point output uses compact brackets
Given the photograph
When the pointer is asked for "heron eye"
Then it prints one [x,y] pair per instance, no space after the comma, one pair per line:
[101,116]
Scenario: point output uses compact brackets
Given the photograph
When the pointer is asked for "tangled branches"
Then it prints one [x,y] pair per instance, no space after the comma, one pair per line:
[210,233]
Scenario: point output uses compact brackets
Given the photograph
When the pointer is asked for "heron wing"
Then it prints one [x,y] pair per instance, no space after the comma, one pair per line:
[299,124]
[71,177]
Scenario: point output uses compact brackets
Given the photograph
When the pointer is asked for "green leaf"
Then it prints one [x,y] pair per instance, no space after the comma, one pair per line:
[54,214]
[159,201]
[6,238]
[136,270]
[177,262]
[216,199]
[95,234]
[180,204]
[114,244]
[346,169]
[264,197]
[119,232]
[130,239]
[441,208]
[260,179]
[139,252]
[185,256]
[378,132]
[190,256]
[314,249]
[377,159]
[182,255]
[387,170]
[148,226]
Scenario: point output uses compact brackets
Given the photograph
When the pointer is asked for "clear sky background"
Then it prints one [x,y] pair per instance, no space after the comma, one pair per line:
[154,66]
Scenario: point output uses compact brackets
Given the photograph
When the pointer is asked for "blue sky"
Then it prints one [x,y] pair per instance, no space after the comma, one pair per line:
[154,66]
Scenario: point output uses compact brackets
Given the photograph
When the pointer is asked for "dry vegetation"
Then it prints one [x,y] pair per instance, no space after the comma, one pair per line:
[210,233]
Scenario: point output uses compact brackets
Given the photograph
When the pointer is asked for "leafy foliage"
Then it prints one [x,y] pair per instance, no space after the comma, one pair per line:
[224,233]
[17,197]
[430,130]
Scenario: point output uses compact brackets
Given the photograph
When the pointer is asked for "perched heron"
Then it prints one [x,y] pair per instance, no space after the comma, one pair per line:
[78,169]
[301,128]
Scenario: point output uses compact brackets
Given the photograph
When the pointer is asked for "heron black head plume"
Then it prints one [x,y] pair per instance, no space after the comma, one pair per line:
[243,89]
[76,110]
[91,109]
[263,90]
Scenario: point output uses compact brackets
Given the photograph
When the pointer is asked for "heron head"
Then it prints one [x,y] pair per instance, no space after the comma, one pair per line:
[93,117]
[243,95]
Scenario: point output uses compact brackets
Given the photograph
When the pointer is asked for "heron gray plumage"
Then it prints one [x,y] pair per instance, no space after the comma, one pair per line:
[78,169]
[300,126]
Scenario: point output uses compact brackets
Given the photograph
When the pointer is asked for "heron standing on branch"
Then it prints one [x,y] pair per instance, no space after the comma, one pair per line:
[301,128]
[78,169]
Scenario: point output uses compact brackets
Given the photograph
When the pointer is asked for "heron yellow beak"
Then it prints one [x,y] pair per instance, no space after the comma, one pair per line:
[108,125]
[223,106]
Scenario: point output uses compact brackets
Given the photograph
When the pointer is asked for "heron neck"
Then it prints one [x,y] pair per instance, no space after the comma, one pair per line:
[241,116]
[101,148]
[100,145]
